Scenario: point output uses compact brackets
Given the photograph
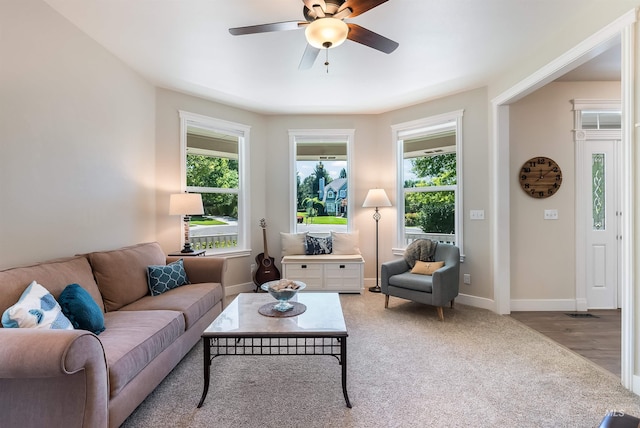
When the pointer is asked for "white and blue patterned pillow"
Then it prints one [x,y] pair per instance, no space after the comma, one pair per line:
[36,308]
[164,278]
[315,246]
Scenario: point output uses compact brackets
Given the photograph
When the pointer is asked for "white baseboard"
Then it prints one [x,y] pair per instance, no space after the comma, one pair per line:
[475,301]
[239,288]
[543,305]
[635,388]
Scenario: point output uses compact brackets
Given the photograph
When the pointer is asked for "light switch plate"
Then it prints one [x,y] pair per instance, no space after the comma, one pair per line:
[550,214]
[476,214]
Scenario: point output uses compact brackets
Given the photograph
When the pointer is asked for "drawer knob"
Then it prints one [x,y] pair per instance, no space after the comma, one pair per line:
[341,266]
[303,266]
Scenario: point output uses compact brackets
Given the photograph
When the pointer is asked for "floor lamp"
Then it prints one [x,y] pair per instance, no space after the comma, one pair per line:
[376,198]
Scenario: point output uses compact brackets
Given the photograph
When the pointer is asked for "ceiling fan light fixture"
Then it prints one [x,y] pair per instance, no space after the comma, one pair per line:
[326,33]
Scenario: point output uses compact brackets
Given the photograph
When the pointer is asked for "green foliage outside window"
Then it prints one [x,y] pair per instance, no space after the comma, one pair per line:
[213,172]
[433,212]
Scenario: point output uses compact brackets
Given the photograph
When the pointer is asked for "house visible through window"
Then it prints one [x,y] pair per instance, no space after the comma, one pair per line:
[213,167]
[429,180]
[320,162]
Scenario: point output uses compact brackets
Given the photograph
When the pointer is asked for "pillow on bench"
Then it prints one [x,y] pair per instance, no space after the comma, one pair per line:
[340,243]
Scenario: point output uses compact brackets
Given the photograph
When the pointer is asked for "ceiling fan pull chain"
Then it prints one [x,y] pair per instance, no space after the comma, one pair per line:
[326,62]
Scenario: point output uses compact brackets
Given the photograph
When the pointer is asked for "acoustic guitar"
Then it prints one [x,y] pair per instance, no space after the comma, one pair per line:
[266,270]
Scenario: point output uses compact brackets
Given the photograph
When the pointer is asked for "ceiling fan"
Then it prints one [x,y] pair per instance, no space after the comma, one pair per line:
[326,28]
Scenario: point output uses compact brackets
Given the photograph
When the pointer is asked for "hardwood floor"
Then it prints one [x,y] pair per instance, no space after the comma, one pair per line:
[595,338]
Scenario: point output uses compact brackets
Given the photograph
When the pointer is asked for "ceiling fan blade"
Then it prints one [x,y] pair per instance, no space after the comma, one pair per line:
[308,57]
[318,10]
[360,6]
[369,38]
[311,3]
[344,13]
[267,28]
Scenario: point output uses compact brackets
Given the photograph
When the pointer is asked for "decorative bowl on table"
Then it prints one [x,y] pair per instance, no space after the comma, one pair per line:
[283,290]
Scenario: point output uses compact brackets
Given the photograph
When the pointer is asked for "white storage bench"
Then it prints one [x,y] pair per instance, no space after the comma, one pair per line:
[326,272]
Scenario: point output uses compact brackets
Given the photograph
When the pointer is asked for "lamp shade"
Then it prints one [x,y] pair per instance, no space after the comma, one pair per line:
[376,198]
[326,33]
[186,204]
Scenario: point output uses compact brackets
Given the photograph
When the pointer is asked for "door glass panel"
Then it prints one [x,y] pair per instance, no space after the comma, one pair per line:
[597,190]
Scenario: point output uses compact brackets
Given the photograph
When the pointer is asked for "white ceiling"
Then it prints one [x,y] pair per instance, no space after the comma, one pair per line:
[446,46]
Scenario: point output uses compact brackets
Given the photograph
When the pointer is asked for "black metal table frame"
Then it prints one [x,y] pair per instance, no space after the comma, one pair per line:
[271,345]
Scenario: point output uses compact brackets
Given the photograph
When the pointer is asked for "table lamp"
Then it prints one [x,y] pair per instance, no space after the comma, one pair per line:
[186,204]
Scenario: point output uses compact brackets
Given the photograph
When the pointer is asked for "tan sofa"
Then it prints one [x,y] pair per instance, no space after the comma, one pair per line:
[73,378]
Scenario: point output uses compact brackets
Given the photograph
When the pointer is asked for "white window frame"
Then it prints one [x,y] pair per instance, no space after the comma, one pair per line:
[405,130]
[243,132]
[300,136]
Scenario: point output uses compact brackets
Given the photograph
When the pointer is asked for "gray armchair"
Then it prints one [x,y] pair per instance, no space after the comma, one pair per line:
[436,290]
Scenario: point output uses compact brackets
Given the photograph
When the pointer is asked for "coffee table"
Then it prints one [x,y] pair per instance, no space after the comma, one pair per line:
[241,330]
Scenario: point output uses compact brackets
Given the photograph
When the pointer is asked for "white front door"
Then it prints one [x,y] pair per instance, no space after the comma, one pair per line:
[602,224]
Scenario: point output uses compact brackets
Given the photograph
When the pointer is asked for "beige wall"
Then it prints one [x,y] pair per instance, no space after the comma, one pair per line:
[372,165]
[77,142]
[543,251]
[169,228]
[476,184]
[96,150]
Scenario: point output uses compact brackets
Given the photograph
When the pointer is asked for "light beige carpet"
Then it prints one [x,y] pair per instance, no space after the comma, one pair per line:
[405,369]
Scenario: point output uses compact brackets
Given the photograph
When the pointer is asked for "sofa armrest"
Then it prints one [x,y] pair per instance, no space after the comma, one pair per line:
[35,353]
[53,369]
[203,269]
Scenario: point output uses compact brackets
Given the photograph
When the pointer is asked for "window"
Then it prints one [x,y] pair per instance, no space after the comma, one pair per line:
[214,165]
[429,179]
[320,180]
[597,115]
[594,119]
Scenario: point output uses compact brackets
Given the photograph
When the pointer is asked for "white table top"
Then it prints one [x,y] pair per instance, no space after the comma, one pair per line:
[323,317]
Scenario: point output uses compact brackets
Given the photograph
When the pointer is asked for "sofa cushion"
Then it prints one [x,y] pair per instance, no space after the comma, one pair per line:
[412,281]
[121,274]
[36,308]
[132,339]
[193,300]
[54,275]
[81,310]
[162,278]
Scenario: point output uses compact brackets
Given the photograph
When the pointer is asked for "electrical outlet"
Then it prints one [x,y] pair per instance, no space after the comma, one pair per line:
[467,278]
[252,268]
[550,214]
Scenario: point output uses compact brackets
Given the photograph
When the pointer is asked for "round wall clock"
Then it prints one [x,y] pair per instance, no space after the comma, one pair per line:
[540,177]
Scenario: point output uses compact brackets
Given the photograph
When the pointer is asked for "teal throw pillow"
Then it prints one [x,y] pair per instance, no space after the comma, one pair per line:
[36,308]
[83,312]
[167,277]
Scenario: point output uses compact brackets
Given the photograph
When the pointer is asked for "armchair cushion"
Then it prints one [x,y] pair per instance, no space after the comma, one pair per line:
[426,268]
[412,281]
